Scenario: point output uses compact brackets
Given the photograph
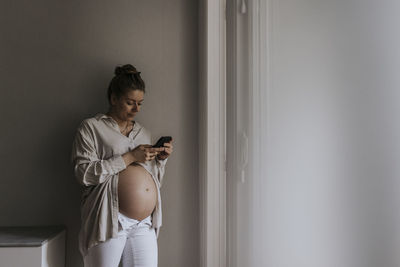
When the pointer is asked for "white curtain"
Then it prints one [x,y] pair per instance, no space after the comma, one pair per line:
[317,94]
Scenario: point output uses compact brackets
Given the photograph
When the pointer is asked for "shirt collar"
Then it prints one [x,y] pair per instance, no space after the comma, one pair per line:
[100,116]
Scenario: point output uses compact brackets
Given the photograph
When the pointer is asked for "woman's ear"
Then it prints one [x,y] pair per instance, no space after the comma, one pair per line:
[114,99]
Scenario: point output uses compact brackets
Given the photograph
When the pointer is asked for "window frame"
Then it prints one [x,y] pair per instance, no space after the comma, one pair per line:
[212,135]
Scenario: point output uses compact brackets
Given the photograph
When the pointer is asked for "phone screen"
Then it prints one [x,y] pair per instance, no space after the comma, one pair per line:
[162,140]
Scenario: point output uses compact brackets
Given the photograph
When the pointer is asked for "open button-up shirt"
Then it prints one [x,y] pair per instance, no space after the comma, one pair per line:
[97,160]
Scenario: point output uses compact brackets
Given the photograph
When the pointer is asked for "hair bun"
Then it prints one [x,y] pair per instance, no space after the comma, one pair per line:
[125,69]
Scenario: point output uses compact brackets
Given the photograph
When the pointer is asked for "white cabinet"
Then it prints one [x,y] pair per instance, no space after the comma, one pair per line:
[37,246]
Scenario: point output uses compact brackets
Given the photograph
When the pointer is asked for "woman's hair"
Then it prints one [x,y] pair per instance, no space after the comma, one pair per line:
[126,78]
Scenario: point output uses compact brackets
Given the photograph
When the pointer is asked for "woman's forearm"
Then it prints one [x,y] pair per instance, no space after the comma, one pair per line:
[129,158]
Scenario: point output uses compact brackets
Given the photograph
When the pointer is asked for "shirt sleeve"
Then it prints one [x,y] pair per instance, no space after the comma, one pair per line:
[159,166]
[89,169]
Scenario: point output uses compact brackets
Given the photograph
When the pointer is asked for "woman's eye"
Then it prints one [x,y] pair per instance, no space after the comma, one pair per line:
[130,104]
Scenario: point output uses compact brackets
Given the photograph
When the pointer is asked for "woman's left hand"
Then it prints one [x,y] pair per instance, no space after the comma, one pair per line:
[168,148]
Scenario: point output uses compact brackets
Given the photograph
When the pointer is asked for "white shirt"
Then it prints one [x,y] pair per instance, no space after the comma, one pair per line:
[97,160]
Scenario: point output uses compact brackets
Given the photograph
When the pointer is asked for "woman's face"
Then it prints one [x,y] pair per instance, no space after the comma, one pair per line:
[128,105]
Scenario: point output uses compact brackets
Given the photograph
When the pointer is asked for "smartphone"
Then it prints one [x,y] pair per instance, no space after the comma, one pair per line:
[162,140]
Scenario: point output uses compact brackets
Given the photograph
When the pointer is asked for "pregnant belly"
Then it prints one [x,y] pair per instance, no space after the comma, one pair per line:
[137,192]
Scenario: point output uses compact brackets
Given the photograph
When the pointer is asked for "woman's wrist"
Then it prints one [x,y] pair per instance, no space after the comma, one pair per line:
[129,158]
[160,157]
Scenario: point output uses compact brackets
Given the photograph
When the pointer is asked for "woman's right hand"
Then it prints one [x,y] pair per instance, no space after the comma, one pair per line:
[143,153]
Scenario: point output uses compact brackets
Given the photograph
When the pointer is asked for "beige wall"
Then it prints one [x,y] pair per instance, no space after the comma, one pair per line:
[56,59]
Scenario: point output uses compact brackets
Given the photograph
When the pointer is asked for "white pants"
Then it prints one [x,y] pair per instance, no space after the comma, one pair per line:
[135,246]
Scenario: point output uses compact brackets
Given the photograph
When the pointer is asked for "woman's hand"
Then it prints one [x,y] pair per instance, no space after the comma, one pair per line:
[168,148]
[143,153]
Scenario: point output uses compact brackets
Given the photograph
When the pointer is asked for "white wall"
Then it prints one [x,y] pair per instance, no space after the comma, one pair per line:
[56,60]
[330,172]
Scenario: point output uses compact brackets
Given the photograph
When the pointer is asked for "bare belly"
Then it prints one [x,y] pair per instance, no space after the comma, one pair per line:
[137,192]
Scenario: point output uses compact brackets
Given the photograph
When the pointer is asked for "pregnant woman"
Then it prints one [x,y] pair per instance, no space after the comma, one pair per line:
[121,174]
